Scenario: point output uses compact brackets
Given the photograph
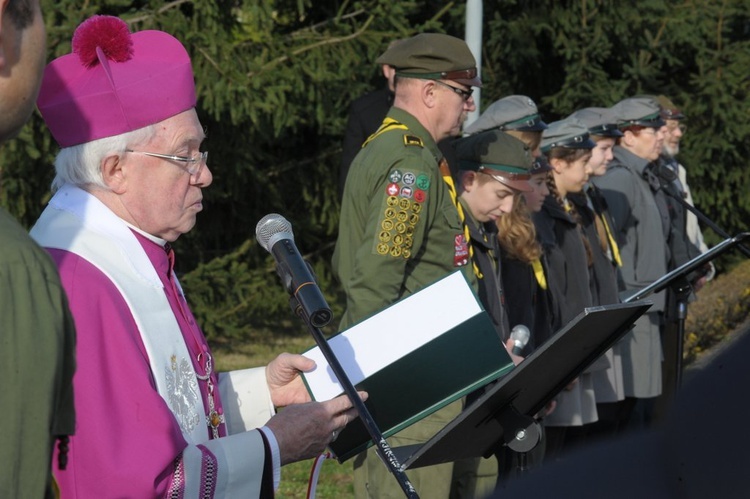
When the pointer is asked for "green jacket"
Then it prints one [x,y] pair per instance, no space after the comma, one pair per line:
[37,361]
[399,224]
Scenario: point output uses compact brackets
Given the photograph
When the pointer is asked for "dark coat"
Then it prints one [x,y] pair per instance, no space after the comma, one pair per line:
[565,262]
[366,113]
[486,250]
[525,301]
[603,282]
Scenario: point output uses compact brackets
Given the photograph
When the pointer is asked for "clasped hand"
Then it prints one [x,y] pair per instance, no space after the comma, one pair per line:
[303,428]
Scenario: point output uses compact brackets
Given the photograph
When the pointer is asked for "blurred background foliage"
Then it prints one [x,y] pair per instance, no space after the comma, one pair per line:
[275,79]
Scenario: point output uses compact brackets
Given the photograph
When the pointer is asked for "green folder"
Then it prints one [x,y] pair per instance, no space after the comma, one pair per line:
[451,364]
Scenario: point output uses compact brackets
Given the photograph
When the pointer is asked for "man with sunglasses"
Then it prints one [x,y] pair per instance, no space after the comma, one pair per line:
[155,419]
[400,228]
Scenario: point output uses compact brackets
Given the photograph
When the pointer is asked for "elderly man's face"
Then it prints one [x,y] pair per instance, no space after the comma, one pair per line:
[162,197]
[672,137]
[21,66]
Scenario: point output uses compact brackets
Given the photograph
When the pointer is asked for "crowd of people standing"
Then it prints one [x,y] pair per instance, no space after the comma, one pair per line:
[543,220]
[586,219]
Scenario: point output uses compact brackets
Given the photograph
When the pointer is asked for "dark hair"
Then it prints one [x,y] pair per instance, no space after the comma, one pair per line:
[566,154]
[21,12]
[569,207]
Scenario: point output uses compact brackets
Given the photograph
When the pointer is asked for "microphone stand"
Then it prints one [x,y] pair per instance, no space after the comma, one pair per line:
[383,448]
[700,215]
[677,279]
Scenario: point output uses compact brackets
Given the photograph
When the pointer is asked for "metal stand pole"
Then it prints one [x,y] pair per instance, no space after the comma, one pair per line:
[383,448]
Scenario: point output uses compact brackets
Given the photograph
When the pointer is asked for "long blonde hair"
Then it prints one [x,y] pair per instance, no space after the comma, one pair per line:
[516,233]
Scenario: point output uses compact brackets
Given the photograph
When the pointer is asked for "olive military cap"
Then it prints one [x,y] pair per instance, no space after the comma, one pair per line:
[514,112]
[433,56]
[668,110]
[600,121]
[502,156]
[639,111]
[569,133]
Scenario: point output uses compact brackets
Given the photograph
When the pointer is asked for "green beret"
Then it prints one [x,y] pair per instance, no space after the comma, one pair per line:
[433,56]
[504,157]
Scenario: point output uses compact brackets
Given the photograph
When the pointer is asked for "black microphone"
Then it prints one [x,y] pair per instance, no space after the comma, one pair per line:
[520,336]
[274,234]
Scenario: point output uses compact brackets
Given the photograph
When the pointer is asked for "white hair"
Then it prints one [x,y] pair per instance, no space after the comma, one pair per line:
[80,164]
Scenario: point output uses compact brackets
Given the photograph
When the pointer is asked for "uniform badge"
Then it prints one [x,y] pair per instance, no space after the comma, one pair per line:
[392,189]
[407,192]
[420,196]
[409,178]
[461,247]
[423,182]
[395,176]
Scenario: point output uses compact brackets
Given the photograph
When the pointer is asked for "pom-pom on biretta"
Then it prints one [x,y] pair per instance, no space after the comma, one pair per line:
[111,34]
[114,82]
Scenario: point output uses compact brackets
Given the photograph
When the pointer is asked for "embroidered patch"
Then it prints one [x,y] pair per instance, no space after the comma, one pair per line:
[461,246]
[413,140]
[423,182]
[400,214]
[183,396]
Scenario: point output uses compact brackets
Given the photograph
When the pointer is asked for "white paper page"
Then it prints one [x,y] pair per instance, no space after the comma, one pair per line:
[369,346]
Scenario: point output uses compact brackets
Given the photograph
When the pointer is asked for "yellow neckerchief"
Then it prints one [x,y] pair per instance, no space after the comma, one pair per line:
[388,124]
[536,265]
[612,243]
[448,179]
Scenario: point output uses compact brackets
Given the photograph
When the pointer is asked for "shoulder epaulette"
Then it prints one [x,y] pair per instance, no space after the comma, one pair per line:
[413,140]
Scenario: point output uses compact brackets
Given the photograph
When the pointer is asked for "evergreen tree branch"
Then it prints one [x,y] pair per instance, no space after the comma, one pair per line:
[166,7]
[327,41]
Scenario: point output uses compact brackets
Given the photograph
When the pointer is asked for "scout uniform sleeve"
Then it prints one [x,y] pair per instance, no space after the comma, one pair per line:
[396,222]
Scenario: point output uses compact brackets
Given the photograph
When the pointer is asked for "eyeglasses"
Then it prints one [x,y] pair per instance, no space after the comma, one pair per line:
[465,94]
[673,124]
[192,165]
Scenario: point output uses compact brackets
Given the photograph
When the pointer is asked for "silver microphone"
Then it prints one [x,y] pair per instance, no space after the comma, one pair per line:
[520,336]
[274,233]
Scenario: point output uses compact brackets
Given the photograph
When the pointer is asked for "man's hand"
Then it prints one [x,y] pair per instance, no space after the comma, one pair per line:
[303,431]
[284,381]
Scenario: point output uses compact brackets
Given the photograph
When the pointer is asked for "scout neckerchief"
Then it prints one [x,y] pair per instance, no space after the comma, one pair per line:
[599,218]
[448,179]
[612,243]
[536,266]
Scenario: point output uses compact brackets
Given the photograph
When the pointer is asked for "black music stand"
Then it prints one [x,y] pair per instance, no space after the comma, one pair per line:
[506,410]
[677,280]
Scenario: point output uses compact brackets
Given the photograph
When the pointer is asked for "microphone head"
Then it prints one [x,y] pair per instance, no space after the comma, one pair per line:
[271,228]
[520,335]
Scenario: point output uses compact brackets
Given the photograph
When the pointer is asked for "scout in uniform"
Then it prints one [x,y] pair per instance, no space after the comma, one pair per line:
[567,146]
[641,228]
[597,225]
[400,229]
